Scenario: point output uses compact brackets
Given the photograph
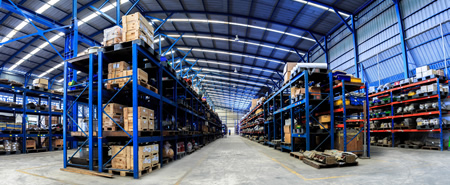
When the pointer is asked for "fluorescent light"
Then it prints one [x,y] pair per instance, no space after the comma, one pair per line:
[235,73]
[233,40]
[231,53]
[237,24]
[321,7]
[231,65]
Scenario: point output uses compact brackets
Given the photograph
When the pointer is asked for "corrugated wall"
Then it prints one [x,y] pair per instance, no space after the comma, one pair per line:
[378,40]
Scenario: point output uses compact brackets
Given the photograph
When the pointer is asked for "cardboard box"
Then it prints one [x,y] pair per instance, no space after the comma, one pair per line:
[429,73]
[118,67]
[254,104]
[287,129]
[432,88]
[143,124]
[424,88]
[287,70]
[143,112]
[142,75]
[418,70]
[287,139]
[424,68]
[419,75]
[40,82]
[258,111]
[324,126]
[315,92]
[325,118]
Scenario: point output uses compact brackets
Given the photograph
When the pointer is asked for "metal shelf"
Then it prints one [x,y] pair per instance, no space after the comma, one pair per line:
[389,93]
[94,65]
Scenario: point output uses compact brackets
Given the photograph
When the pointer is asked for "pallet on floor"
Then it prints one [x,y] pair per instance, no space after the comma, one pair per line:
[130,173]
[319,165]
[86,172]
[167,160]
[409,146]
[9,152]
[37,150]
[297,155]
[431,148]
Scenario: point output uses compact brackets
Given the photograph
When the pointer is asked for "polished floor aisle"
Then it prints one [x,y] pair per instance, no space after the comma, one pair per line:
[236,160]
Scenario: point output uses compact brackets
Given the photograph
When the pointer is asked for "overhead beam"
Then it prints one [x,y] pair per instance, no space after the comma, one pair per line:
[228,36]
[329,6]
[45,21]
[230,63]
[402,38]
[232,15]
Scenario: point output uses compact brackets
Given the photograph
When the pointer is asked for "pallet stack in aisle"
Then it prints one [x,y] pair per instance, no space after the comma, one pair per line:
[412,105]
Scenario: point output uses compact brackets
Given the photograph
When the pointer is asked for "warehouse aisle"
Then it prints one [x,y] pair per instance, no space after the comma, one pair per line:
[236,160]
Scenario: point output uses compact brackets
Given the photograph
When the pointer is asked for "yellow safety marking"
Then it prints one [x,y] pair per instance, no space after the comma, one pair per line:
[299,175]
[41,176]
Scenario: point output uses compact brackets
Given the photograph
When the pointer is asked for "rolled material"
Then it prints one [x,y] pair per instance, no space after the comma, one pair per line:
[312,65]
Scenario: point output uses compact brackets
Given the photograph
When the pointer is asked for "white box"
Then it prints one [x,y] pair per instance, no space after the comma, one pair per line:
[429,73]
[432,87]
[440,72]
[424,68]
[418,70]
[424,88]
[419,75]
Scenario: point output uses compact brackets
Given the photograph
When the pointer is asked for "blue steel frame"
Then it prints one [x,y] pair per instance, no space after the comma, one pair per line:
[38,96]
[137,90]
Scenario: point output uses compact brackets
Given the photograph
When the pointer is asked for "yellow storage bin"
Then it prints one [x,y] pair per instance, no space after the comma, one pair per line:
[339,102]
[356,80]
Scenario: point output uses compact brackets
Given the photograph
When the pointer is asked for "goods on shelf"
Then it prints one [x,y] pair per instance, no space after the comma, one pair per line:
[135,26]
[40,82]
[124,159]
[112,36]
[167,151]
[9,146]
[287,71]
[145,118]
[31,144]
[115,111]
[355,145]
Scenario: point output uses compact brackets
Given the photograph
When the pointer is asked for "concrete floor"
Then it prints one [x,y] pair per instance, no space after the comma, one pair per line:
[236,160]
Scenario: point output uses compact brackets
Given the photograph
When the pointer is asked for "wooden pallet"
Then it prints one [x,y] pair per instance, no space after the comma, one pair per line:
[409,146]
[170,133]
[431,148]
[297,155]
[80,134]
[86,172]
[111,128]
[319,165]
[11,131]
[37,150]
[131,173]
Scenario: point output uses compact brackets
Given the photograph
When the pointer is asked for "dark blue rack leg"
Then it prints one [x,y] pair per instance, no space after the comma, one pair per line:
[135,111]
[307,113]
[366,85]
[344,115]
[65,115]
[331,97]
[392,123]
[91,111]
[50,138]
[24,122]
[441,137]
[100,111]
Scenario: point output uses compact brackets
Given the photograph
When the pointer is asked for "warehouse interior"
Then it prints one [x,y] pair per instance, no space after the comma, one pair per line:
[224,92]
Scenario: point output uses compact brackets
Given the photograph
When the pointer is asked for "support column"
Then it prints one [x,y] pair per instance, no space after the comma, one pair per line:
[355,47]
[402,38]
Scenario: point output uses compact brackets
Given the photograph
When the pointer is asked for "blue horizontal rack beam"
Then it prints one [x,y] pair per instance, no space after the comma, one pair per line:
[167,94]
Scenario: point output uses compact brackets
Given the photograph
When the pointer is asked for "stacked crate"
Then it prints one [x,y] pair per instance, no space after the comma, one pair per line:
[145,119]
[124,159]
[41,83]
[122,69]
[112,36]
[115,111]
[135,26]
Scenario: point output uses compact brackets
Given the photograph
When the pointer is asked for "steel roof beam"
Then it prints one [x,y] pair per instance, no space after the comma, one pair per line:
[229,14]
[228,71]
[330,7]
[44,21]
[228,36]
[231,52]
[233,64]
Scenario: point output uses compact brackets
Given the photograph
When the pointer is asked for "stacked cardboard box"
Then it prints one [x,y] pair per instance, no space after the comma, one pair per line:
[123,69]
[287,70]
[147,156]
[254,104]
[287,135]
[115,111]
[40,82]
[31,144]
[146,118]
[425,71]
[324,121]
[112,35]
[135,26]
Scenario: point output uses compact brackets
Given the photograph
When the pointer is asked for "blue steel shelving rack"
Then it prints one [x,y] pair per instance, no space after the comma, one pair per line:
[136,54]
[25,94]
[300,107]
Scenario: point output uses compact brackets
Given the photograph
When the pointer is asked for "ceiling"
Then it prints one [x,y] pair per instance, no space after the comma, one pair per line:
[269,32]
